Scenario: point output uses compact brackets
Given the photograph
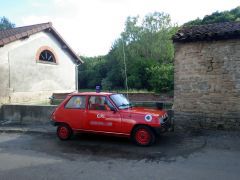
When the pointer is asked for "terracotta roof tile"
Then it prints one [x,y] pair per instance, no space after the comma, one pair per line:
[217,31]
[10,35]
[12,38]
[18,36]
[5,40]
[21,31]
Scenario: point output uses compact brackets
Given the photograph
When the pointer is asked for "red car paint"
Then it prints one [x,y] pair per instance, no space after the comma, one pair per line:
[112,120]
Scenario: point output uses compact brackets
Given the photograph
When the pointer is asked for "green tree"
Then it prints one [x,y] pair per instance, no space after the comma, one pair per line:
[5,23]
[91,71]
[161,77]
[147,44]
[217,17]
[148,49]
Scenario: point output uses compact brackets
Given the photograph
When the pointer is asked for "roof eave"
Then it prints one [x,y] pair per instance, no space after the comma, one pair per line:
[213,38]
[64,43]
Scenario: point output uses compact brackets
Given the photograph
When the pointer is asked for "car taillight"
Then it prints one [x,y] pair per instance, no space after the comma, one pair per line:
[53,115]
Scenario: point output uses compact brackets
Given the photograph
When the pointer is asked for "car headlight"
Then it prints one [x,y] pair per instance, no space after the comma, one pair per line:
[163,118]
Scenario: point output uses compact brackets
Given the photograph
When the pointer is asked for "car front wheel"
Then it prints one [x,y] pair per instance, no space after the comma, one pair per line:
[64,132]
[143,136]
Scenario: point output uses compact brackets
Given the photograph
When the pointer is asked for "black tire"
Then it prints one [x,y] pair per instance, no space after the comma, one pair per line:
[143,136]
[64,132]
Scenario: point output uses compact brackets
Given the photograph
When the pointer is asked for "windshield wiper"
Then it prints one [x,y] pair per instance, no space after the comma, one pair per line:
[124,105]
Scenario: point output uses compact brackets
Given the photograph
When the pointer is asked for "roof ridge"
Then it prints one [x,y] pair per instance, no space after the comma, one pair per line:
[211,24]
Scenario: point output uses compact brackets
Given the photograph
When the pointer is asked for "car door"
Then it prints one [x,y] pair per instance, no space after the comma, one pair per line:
[75,111]
[100,117]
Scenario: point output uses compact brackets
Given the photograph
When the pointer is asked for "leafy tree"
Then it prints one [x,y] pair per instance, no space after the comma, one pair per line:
[217,17]
[5,23]
[89,72]
[161,77]
[147,48]
[148,43]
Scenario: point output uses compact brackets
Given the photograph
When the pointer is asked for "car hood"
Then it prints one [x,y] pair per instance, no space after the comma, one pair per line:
[144,111]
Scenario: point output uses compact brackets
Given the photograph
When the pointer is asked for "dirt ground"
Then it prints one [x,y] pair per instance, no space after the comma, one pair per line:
[179,155]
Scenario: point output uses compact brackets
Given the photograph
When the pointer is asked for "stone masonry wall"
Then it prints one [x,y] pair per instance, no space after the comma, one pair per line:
[207,84]
[25,114]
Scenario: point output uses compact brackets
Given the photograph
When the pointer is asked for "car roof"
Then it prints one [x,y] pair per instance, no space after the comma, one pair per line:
[92,93]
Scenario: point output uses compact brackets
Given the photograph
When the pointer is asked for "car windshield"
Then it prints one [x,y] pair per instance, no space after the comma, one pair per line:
[121,101]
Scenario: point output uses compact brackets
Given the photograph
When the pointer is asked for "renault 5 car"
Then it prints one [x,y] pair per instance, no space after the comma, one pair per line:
[109,114]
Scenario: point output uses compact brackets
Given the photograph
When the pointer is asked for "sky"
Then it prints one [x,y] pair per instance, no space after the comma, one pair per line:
[90,27]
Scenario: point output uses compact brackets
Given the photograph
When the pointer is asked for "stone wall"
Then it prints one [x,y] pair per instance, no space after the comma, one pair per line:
[149,97]
[207,84]
[25,114]
[56,98]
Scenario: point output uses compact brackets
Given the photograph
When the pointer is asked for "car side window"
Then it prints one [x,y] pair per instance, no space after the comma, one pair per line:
[76,102]
[110,105]
[98,103]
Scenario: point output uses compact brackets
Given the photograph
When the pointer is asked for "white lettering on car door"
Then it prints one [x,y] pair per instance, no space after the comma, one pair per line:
[97,123]
[100,116]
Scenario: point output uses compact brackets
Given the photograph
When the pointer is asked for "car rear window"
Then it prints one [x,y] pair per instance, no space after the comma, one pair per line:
[76,102]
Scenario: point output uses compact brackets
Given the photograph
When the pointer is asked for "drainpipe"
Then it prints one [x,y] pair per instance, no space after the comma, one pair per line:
[76,76]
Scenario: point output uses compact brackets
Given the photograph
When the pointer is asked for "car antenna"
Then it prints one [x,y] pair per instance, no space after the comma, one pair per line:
[125,66]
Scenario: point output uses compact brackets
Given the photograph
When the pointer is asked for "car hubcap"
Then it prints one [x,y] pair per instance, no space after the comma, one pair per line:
[142,136]
[63,132]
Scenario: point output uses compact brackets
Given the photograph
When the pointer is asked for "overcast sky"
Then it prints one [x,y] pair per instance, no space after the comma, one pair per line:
[91,26]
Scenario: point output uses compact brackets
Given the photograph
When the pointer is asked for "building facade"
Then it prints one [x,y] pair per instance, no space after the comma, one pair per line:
[207,76]
[35,62]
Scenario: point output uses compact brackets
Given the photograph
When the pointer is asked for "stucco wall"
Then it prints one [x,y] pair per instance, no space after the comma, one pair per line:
[23,79]
[4,74]
[207,84]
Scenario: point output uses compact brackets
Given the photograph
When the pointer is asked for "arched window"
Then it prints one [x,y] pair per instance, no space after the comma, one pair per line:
[46,54]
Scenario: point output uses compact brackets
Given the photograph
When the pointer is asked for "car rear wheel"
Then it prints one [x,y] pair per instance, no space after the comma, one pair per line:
[64,132]
[143,136]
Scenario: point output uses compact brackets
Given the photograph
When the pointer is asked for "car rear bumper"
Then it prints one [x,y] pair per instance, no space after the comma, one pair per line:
[54,123]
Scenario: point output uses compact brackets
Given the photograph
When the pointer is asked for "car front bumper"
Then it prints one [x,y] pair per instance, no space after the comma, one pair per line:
[167,126]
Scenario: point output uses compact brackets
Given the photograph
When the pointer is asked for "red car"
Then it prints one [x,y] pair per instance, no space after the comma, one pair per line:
[108,113]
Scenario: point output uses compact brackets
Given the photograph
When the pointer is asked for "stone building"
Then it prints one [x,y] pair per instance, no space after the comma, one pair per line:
[207,76]
[35,61]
